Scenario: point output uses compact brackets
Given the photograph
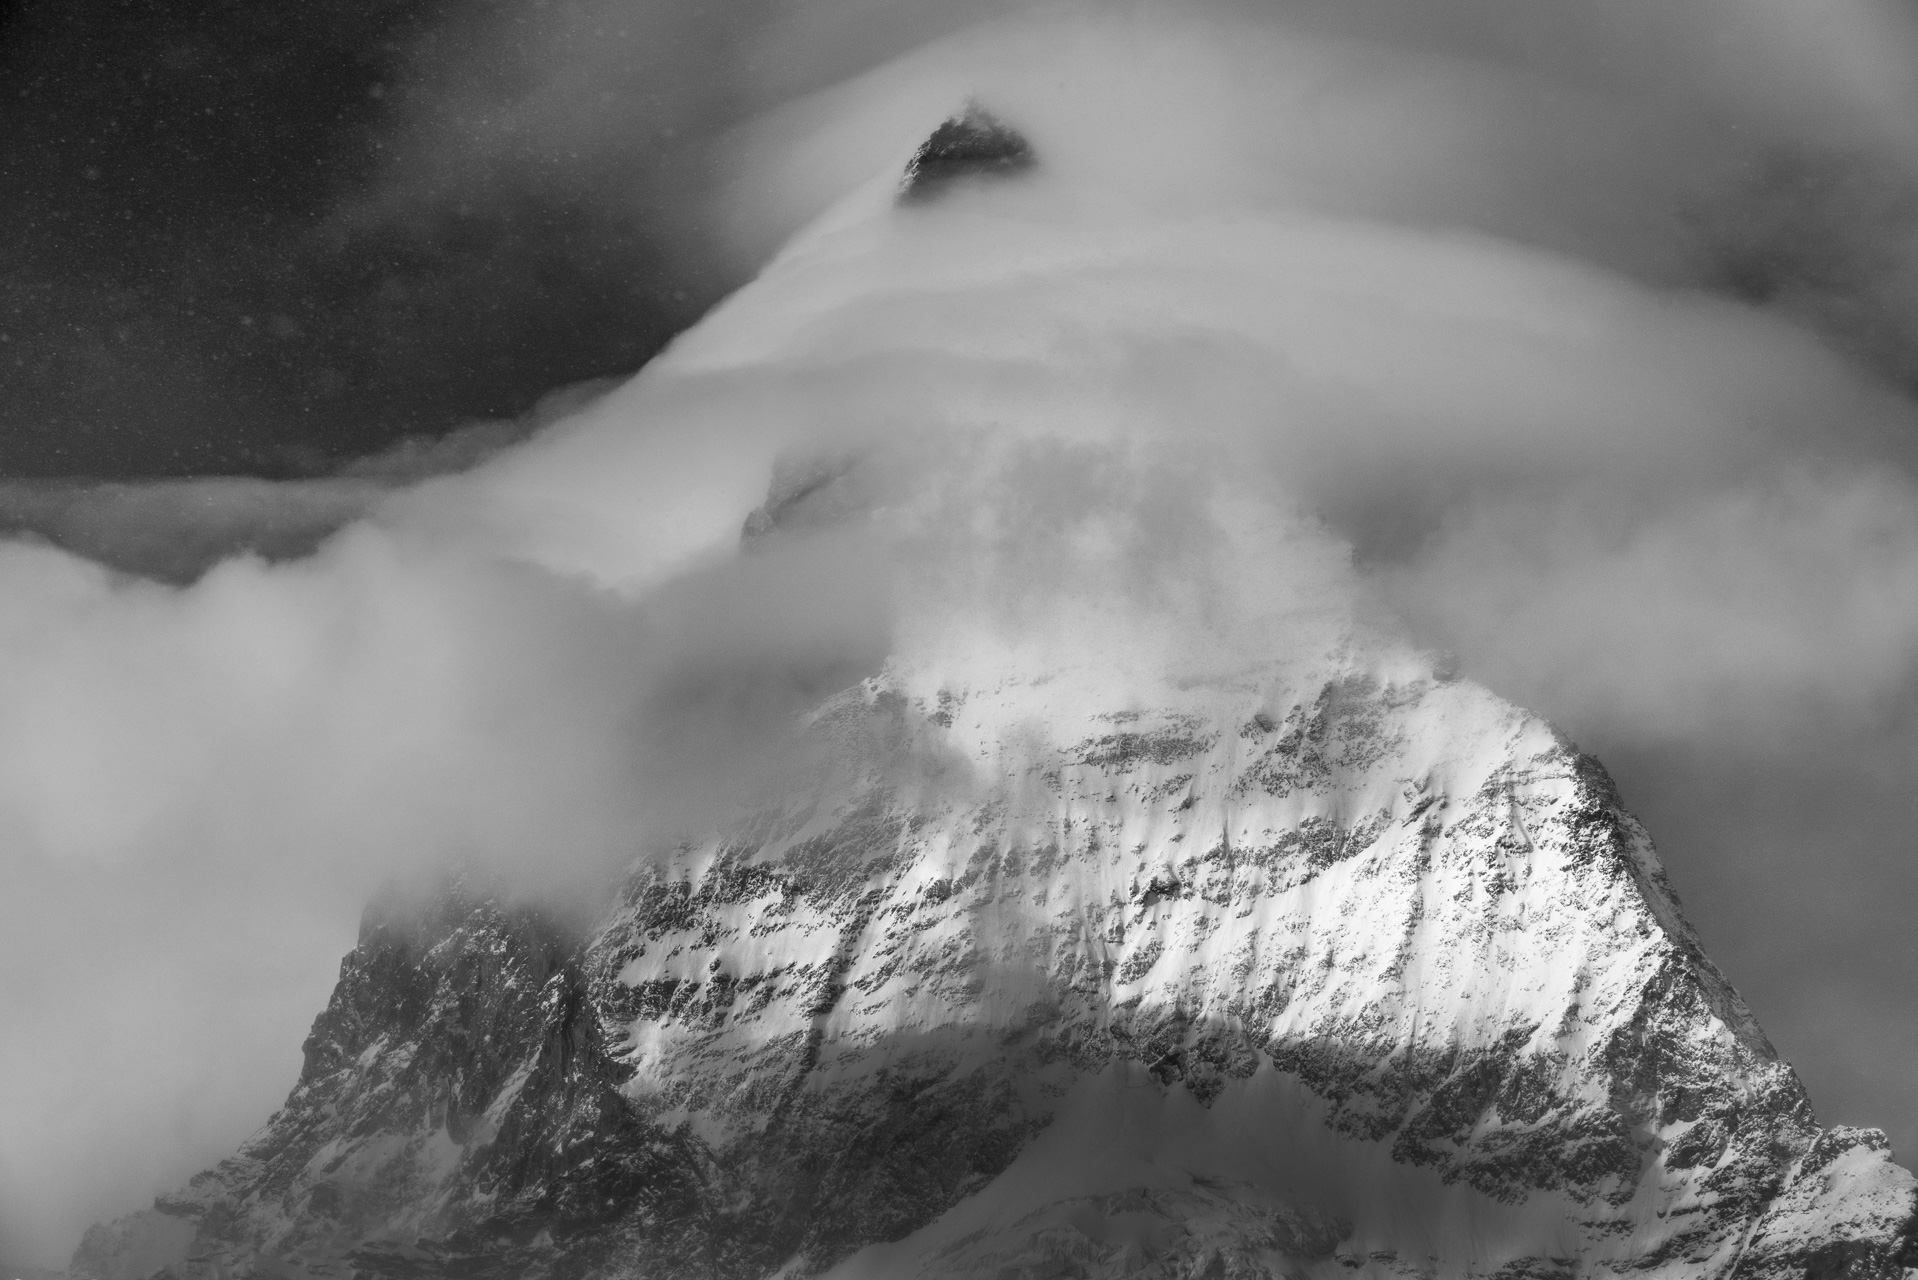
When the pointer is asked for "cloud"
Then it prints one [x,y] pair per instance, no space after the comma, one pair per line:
[200,786]
[1709,141]
[175,530]
[1728,610]
[1303,328]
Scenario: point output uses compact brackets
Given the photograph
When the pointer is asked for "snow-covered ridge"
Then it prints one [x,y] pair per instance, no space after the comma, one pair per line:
[1406,896]
[1355,970]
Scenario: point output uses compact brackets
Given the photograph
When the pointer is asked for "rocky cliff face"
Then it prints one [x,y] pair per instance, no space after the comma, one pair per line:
[1354,970]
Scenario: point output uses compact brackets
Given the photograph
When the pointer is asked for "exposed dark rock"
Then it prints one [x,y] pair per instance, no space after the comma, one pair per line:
[973,144]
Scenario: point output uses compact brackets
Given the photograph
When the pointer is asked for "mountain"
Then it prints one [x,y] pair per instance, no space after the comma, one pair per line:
[1303,958]
[1356,970]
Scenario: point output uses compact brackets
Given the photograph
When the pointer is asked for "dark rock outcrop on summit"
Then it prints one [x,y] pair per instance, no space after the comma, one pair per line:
[974,143]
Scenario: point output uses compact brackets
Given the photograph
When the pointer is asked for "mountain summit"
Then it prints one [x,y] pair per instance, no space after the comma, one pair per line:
[973,143]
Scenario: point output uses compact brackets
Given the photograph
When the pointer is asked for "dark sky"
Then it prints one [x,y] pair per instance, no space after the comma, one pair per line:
[180,292]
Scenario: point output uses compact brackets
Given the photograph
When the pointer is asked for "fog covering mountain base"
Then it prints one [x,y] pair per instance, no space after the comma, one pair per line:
[1180,428]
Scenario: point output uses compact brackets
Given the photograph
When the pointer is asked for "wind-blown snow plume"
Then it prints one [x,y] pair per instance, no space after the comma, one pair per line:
[1307,323]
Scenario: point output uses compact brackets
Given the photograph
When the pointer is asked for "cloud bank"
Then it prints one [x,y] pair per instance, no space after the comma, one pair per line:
[1491,326]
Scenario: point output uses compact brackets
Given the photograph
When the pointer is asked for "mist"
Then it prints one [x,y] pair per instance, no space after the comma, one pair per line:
[1472,327]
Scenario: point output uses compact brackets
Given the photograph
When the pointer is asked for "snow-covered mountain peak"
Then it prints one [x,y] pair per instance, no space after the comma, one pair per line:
[1318,968]
[1151,912]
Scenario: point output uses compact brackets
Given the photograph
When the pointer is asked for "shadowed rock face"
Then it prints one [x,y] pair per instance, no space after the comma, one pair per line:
[974,143]
[1350,971]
